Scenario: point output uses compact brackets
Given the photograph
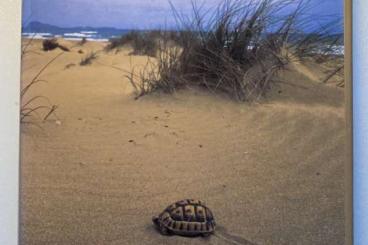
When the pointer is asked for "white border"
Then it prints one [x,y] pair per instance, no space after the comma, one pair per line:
[10,26]
[360,120]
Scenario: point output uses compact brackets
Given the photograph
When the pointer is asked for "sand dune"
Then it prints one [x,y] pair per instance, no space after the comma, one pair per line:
[271,171]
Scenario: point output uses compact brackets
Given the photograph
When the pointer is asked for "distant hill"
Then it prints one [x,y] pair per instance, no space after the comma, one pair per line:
[36,26]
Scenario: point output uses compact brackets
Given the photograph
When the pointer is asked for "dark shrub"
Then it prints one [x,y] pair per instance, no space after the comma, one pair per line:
[143,43]
[236,49]
[50,44]
[88,59]
[83,41]
[116,43]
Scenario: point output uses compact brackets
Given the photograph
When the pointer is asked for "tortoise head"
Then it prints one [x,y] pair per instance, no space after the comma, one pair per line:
[155,220]
[159,226]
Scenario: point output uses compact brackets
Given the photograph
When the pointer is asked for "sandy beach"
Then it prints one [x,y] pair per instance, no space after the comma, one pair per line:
[272,171]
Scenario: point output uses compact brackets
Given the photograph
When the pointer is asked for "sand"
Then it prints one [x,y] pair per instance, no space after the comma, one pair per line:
[271,171]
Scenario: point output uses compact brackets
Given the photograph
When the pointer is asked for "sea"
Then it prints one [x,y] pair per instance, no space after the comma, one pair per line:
[39,30]
[75,36]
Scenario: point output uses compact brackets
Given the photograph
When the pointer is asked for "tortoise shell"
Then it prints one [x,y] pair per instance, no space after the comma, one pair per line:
[186,217]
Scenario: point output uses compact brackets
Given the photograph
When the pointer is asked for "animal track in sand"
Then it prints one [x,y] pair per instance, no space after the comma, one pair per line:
[68,66]
[168,114]
[174,134]
[150,134]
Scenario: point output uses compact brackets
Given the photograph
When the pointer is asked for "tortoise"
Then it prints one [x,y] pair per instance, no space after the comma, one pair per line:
[186,218]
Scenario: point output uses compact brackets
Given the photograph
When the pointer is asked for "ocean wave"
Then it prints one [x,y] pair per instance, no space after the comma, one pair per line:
[89,32]
[331,50]
[88,39]
[77,34]
[338,50]
[36,34]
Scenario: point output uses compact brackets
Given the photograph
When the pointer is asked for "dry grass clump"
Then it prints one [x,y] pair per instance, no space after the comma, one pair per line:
[143,43]
[88,59]
[235,55]
[117,43]
[237,49]
[83,41]
[162,73]
[38,105]
[51,44]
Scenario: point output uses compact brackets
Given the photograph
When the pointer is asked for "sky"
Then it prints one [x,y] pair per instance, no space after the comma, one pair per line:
[128,14]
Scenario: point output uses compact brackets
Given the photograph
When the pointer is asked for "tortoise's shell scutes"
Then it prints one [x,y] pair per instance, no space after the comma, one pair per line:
[188,217]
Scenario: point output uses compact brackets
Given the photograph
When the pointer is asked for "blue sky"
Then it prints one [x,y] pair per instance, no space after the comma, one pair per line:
[127,14]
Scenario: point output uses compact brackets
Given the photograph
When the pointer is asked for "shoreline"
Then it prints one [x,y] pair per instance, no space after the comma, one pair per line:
[66,38]
[338,50]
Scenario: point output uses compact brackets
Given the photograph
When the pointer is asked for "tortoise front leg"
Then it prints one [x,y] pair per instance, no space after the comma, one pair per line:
[164,231]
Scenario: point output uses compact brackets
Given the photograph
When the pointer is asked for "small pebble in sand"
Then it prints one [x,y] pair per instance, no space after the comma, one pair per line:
[131,141]
[200,146]
[58,122]
[166,126]
[156,118]
[80,119]
[133,122]
[318,174]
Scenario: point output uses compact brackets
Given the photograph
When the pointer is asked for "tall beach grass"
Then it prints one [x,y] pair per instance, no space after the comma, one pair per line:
[237,49]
